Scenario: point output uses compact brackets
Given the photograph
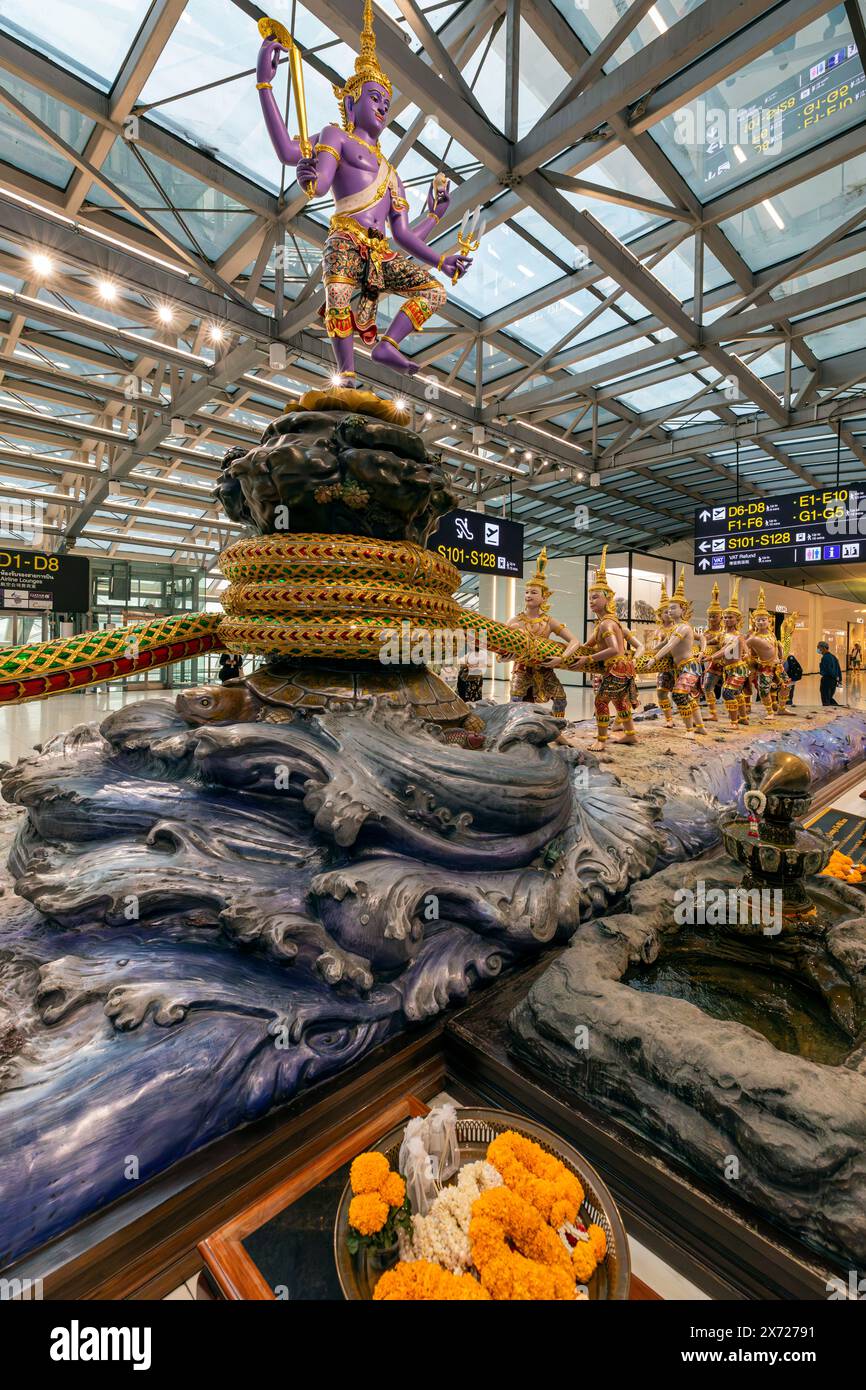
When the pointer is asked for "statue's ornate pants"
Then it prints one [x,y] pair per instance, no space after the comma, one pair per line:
[348,268]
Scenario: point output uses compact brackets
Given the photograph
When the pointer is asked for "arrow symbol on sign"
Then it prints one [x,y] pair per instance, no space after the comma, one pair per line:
[704,545]
[704,515]
[703,564]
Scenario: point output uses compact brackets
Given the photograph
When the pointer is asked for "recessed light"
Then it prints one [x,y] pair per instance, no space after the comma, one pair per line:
[41,264]
[216,333]
[106,290]
[165,313]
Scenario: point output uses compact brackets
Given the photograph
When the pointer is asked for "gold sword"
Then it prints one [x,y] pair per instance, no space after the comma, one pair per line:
[273,29]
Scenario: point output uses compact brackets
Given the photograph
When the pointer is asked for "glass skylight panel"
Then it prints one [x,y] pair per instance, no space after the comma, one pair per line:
[504,269]
[835,342]
[92,40]
[25,148]
[662,393]
[541,80]
[213,219]
[808,89]
[807,212]
[227,120]
[541,329]
[592,23]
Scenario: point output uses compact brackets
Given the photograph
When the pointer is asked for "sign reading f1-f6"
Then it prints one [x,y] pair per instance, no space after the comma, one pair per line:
[798,528]
[478,542]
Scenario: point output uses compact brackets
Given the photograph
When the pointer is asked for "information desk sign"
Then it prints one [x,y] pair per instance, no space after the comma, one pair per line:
[797,529]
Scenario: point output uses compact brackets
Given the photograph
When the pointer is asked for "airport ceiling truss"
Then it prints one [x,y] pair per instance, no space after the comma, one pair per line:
[668,306]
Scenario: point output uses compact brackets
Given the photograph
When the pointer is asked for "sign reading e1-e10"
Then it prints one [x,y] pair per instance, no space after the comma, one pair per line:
[479,542]
[33,581]
[797,529]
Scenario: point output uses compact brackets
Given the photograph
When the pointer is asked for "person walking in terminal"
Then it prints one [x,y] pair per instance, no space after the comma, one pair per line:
[831,674]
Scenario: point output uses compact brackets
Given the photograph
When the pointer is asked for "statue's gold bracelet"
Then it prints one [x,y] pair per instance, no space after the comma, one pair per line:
[441,259]
[260,86]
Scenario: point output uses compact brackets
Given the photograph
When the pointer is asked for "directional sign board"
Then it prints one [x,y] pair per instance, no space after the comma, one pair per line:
[33,580]
[798,529]
[480,543]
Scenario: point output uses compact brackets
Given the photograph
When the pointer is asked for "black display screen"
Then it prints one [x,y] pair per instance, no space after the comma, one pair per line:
[480,543]
[34,581]
[797,529]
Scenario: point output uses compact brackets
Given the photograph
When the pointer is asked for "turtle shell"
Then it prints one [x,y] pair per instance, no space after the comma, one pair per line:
[318,688]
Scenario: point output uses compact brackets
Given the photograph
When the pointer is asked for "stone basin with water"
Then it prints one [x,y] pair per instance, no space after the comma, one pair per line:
[724,1016]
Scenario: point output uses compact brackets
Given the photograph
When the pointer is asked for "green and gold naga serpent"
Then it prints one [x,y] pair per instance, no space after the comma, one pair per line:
[325,596]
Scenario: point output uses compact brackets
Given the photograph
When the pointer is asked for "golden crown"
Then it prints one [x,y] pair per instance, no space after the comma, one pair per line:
[733,607]
[367,67]
[714,605]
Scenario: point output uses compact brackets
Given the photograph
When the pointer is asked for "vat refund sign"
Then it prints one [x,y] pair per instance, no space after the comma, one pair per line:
[479,542]
[794,529]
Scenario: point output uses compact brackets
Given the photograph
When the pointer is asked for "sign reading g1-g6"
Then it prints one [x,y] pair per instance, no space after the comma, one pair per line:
[798,529]
[33,581]
[479,542]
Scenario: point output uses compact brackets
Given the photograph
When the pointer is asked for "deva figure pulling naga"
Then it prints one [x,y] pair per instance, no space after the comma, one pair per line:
[347,160]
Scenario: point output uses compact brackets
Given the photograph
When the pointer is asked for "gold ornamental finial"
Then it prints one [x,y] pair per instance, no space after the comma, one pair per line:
[714,606]
[679,595]
[600,585]
[733,608]
[367,67]
[273,29]
[761,610]
[539,580]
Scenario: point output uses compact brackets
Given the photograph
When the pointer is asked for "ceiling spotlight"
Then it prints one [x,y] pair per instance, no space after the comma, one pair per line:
[511,449]
[41,264]
[527,454]
[580,477]
[165,313]
[336,379]
[401,404]
[106,290]
[428,414]
[216,333]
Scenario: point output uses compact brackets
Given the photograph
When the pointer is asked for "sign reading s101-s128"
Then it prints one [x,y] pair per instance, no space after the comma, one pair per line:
[797,529]
[480,543]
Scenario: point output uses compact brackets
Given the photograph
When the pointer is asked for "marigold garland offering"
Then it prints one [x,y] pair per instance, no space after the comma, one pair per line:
[517,1254]
[379,1210]
[511,1221]
[368,1172]
[368,1213]
[538,1177]
[423,1281]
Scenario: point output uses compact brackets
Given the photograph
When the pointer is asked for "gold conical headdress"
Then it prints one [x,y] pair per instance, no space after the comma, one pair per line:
[733,608]
[679,595]
[600,584]
[714,605]
[539,579]
[367,67]
[761,611]
[663,602]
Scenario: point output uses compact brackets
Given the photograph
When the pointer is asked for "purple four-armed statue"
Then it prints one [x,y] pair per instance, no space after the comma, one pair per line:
[368,193]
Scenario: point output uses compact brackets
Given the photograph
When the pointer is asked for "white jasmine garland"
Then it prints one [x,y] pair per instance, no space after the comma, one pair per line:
[443,1234]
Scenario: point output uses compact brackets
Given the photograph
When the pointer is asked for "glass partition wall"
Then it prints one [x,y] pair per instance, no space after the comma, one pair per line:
[636,579]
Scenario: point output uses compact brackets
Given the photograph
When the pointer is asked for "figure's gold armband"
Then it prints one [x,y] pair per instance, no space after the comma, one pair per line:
[329,149]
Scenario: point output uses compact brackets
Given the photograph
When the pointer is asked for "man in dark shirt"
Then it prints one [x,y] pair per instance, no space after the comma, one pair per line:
[831,674]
